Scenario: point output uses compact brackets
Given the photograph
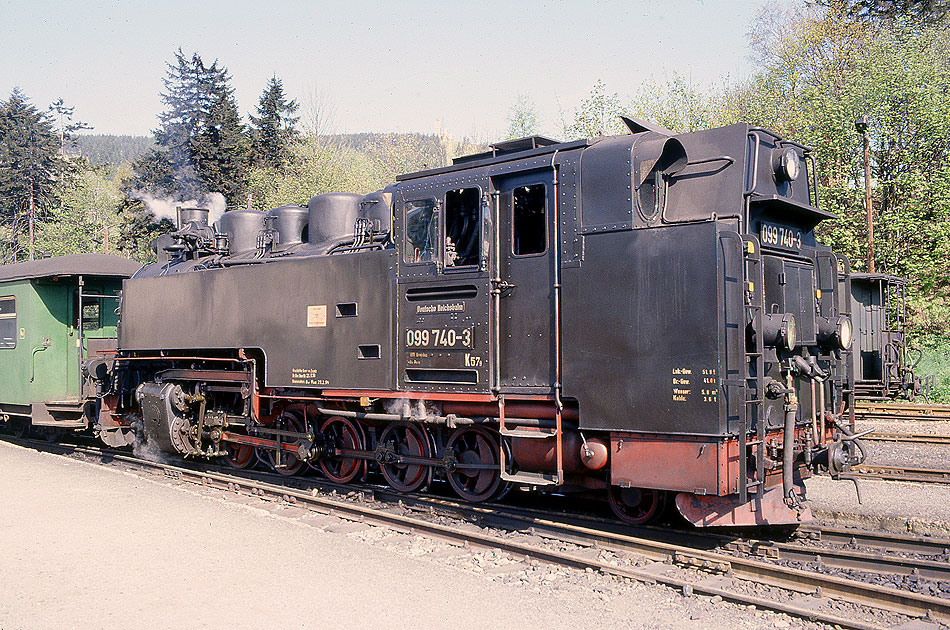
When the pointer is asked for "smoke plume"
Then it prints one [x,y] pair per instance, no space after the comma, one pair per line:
[167,207]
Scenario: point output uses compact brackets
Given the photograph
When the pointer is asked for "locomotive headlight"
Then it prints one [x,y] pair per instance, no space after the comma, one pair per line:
[787,164]
[838,331]
[781,329]
[790,332]
[845,331]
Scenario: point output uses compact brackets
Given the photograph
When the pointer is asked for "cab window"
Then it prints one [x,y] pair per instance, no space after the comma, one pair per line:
[528,221]
[8,322]
[422,229]
[462,227]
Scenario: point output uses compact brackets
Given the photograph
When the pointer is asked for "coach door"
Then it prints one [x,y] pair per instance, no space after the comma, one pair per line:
[525,279]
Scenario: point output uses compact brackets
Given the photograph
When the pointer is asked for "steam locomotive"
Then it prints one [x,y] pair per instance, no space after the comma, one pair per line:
[646,317]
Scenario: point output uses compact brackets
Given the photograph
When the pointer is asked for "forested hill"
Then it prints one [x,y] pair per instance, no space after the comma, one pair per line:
[397,153]
[394,153]
[112,150]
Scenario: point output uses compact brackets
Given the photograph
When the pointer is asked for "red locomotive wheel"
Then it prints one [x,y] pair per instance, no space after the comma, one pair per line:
[290,420]
[475,446]
[340,433]
[404,439]
[240,456]
[636,506]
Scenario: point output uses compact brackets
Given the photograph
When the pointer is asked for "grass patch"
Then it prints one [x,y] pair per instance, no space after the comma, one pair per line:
[936,361]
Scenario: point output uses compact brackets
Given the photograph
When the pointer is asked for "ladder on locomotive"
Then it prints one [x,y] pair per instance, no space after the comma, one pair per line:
[529,478]
[755,373]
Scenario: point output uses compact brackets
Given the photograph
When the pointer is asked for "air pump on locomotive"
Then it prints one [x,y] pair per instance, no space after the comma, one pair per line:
[645,316]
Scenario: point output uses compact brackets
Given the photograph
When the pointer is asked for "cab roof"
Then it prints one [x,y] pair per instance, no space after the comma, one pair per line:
[101,265]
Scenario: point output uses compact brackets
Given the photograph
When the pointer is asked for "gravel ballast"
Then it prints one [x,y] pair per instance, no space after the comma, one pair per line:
[84,546]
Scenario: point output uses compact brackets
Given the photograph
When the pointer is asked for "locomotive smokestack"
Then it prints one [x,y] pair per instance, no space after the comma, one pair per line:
[192,215]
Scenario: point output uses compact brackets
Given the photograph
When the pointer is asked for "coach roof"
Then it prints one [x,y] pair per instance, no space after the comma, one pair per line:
[71,265]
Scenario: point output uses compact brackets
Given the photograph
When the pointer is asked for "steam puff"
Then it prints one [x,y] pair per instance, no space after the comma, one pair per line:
[418,411]
[166,207]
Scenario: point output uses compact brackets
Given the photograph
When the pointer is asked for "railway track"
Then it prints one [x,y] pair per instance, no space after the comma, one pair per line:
[767,574]
[908,438]
[865,410]
[901,473]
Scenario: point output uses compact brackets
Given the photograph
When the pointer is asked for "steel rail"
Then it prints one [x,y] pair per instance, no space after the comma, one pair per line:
[909,543]
[813,545]
[901,473]
[901,411]
[805,583]
[899,417]
[910,438]
[847,559]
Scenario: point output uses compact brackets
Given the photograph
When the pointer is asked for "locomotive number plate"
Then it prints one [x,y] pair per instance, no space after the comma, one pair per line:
[773,235]
[440,338]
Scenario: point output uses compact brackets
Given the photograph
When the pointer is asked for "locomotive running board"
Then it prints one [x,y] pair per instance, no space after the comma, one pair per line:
[713,511]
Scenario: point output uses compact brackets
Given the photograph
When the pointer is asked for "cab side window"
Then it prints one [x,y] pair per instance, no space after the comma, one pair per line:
[422,230]
[529,221]
[8,322]
[462,227]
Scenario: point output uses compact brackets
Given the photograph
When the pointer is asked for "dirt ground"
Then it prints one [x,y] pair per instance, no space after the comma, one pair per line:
[87,547]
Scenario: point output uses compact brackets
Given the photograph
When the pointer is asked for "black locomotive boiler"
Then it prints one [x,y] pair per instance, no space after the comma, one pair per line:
[646,316]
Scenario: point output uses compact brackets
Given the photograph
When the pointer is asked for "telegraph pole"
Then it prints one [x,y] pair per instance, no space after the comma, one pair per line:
[32,220]
[861,124]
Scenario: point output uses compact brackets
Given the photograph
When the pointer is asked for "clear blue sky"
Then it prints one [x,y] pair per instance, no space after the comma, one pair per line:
[396,66]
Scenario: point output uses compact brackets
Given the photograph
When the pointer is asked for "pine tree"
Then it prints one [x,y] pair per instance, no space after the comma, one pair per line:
[30,165]
[172,170]
[202,144]
[274,132]
[221,147]
[65,125]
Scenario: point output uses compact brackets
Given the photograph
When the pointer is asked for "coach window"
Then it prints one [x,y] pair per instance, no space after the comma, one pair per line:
[422,229]
[462,227]
[91,318]
[528,220]
[8,322]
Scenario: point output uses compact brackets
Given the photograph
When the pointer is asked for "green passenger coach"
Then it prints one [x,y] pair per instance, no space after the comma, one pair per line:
[54,314]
